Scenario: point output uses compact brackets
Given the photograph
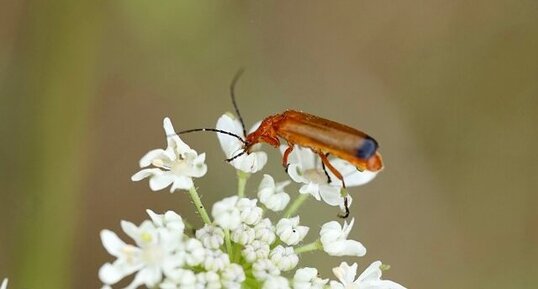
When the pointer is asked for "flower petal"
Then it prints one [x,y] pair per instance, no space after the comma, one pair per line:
[352,176]
[161,181]
[181,183]
[110,274]
[142,174]
[229,144]
[331,195]
[4,284]
[345,248]
[112,243]
[149,157]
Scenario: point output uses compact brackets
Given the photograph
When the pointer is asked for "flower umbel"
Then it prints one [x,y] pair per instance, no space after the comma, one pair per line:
[248,243]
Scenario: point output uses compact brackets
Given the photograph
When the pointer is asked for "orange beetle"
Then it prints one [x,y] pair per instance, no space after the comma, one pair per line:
[324,137]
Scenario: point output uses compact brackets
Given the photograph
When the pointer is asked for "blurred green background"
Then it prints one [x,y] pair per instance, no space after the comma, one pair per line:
[449,89]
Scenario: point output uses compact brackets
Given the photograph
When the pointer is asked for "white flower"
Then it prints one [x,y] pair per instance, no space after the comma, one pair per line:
[264,268]
[255,251]
[250,213]
[248,163]
[265,231]
[307,278]
[153,256]
[284,258]
[211,236]
[289,231]
[276,282]
[334,240]
[216,260]
[232,276]
[226,214]
[243,234]
[369,279]
[272,195]
[176,165]
[306,167]
[180,279]
[4,284]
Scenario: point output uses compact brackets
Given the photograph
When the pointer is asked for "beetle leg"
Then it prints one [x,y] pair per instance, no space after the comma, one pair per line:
[346,206]
[286,155]
[325,170]
[333,170]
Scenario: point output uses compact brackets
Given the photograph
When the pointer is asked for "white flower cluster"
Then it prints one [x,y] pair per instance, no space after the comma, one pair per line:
[238,246]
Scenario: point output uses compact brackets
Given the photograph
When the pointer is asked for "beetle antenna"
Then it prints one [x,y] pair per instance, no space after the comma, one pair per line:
[232,94]
[209,129]
[236,156]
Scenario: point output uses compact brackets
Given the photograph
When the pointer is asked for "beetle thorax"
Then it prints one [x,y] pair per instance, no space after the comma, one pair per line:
[265,133]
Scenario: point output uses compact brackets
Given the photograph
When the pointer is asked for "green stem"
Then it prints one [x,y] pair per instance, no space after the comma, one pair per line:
[237,253]
[242,178]
[316,245]
[296,204]
[228,242]
[199,206]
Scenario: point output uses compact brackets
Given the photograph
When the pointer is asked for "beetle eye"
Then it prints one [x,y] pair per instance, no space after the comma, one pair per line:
[367,148]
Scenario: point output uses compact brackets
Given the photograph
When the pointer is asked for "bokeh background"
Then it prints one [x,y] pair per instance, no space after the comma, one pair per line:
[449,89]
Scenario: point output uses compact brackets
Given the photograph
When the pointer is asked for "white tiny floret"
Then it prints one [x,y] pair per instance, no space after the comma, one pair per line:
[305,167]
[195,252]
[243,235]
[211,236]
[176,165]
[265,231]
[226,214]
[151,258]
[250,213]
[208,280]
[264,268]
[4,284]
[334,240]
[289,231]
[369,279]
[307,278]
[276,282]
[248,163]
[272,194]
[216,260]
[284,258]
[255,251]
[180,279]
[232,276]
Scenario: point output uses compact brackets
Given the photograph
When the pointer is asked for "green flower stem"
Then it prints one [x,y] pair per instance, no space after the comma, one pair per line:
[228,242]
[237,253]
[296,204]
[242,178]
[251,283]
[199,206]
[316,245]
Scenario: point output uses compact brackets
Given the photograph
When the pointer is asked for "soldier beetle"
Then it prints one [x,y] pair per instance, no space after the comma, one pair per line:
[324,137]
